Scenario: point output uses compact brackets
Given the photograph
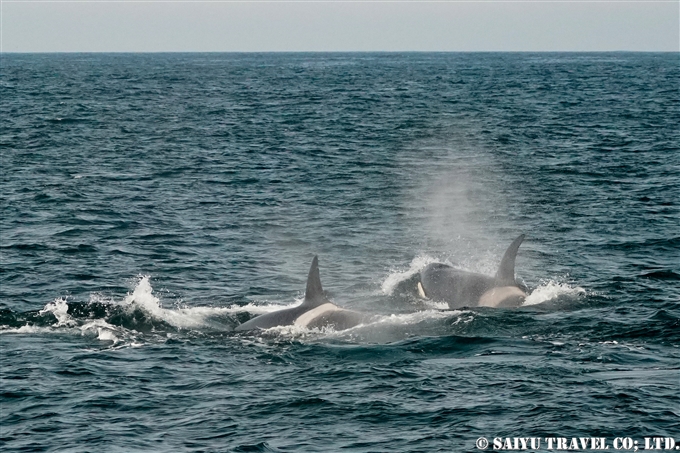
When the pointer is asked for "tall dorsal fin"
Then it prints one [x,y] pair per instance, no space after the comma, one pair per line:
[506,271]
[314,292]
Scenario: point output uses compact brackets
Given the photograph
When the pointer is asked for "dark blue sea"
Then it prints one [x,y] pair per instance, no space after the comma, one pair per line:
[153,202]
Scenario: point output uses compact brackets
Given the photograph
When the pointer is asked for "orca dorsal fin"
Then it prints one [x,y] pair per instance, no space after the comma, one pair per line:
[506,271]
[314,293]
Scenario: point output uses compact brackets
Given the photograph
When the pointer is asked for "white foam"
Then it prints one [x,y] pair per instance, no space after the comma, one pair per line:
[295,330]
[28,329]
[143,298]
[377,323]
[435,305]
[395,277]
[551,290]
[257,308]
[415,318]
[59,308]
[105,331]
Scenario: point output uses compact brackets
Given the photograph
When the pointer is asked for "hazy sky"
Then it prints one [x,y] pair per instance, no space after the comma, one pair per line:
[152,25]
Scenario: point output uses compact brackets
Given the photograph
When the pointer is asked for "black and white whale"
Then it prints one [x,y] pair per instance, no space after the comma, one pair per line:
[314,312]
[460,288]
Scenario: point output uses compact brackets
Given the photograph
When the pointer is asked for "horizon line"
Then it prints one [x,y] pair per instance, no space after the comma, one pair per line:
[320,51]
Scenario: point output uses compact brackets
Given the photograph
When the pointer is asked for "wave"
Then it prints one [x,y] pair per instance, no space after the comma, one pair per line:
[140,317]
[140,311]
[379,329]
[662,275]
[189,317]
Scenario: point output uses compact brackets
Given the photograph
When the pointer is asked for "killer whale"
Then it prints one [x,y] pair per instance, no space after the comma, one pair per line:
[314,312]
[461,288]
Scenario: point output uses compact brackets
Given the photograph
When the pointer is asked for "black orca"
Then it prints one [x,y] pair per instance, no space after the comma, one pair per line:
[468,289]
[314,312]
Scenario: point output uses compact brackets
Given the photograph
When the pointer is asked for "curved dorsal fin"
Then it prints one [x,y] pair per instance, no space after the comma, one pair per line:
[314,292]
[506,271]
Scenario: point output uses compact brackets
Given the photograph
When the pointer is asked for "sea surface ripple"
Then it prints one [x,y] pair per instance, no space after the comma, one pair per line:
[152,202]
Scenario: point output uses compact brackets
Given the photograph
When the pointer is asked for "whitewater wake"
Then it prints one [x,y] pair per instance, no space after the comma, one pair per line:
[140,314]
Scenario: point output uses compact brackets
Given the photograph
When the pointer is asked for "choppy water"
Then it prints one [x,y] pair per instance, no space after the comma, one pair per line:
[151,203]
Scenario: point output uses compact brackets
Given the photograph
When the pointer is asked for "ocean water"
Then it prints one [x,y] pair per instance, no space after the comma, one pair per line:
[153,202]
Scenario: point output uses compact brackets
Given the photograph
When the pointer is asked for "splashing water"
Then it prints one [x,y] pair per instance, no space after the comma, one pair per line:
[394,278]
[143,298]
[104,330]
[552,290]
[59,308]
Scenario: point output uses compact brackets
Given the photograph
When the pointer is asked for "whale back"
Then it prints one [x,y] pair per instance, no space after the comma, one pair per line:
[314,312]
[461,288]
